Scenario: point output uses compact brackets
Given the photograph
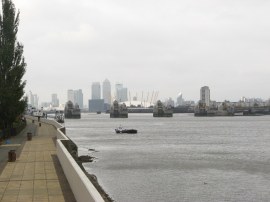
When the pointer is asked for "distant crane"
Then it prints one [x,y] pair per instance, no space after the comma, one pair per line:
[142,98]
[112,98]
[152,98]
[129,98]
[147,98]
[156,96]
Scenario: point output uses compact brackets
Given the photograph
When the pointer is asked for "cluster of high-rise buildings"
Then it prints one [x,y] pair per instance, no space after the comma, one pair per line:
[100,100]
[33,99]
[102,97]
[121,94]
[75,96]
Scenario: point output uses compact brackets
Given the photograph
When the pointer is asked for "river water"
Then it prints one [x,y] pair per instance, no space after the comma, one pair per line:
[184,158]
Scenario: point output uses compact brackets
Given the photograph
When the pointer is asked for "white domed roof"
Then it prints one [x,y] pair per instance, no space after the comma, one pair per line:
[136,103]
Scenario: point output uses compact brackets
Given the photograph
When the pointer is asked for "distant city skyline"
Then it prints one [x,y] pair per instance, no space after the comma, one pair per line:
[179,99]
[169,46]
[87,95]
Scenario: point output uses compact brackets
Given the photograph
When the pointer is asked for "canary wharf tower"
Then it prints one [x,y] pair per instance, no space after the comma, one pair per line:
[106,91]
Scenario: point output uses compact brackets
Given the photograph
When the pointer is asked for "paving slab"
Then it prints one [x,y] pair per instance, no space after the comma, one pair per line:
[36,175]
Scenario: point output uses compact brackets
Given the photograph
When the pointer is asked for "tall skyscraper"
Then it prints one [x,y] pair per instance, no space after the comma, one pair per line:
[121,93]
[70,95]
[106,91]
[33,99]
[55,100]
[180,100]
[78,98]
[96,91]
[118,86]
[205,95]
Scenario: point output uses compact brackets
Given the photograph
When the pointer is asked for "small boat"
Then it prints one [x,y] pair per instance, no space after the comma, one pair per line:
[122,130]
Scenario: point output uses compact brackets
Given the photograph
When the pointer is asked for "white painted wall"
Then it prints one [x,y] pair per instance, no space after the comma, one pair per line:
[81,186]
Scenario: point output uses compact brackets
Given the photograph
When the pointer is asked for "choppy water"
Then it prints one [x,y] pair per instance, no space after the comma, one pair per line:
[184,158]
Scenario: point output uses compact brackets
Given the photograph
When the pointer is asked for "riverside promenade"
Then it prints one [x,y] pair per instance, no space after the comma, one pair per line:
[36,175]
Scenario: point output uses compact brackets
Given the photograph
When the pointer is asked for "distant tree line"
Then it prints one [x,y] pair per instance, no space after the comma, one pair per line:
[12,67]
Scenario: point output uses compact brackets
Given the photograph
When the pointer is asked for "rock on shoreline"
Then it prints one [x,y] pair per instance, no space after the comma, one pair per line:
[86,158]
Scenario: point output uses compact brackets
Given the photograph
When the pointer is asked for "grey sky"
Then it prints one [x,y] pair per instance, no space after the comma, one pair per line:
[166,46]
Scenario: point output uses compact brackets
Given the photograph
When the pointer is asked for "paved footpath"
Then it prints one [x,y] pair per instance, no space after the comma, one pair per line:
[36,175]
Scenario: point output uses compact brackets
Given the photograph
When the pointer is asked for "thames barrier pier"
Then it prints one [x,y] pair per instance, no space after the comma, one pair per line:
[44,169]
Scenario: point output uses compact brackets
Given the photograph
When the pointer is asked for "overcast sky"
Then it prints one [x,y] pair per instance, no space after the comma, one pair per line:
[168,46]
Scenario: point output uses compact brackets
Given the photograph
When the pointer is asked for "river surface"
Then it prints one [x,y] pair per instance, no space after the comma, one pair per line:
[184,158]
